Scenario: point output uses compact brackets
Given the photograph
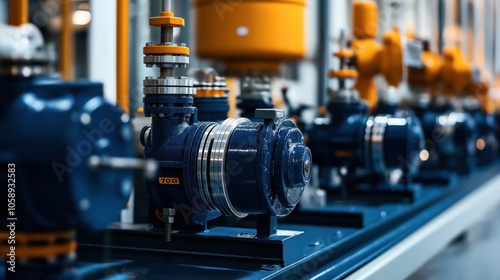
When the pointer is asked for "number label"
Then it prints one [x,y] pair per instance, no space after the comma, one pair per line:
[168,181]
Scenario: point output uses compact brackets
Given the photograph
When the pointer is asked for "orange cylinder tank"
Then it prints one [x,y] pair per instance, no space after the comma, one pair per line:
[250,33]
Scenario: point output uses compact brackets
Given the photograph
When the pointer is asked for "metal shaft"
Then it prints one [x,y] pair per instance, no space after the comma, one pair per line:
[123,163]
[167,34]
[167,5]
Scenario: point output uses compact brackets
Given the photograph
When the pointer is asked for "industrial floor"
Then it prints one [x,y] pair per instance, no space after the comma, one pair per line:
[474,256]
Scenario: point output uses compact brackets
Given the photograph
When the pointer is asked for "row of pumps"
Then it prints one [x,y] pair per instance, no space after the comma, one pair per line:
[73,151]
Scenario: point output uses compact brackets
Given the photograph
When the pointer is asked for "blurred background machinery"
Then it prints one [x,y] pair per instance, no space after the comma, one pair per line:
[298,139]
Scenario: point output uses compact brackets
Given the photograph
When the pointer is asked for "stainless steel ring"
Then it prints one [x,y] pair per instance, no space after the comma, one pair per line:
[168,81]
[165,59]
[201,165]
[222,136]
[169,90]
[216,164]
[377,143]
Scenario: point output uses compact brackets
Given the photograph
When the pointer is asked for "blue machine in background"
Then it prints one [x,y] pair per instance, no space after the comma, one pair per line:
[450,145]
[56,127]
[57,139]
[211,97]
[367,146]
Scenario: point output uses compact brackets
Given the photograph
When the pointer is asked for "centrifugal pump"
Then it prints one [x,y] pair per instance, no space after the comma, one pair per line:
[350,138]
[450,133]
[235,168]
[57,137]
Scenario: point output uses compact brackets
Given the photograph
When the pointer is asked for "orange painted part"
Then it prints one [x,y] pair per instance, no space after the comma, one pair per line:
[392,58]
[250,30]
[140,110]
[410,34]
[233,85]
[481,91]
[367,91]
[209,93]
[67,59]
[429,76]
[25,237]
[270,66]
[343,73]
[456,72]
[166,20]
[18,12]
[368,57]
[368,64]
[41,252]
[322,111]
[49,250]
[122,54]
[165,50]
[159,215]
[344,53]
[364,19]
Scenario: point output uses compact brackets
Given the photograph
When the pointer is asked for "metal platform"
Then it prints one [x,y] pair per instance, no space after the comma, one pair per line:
[391,241]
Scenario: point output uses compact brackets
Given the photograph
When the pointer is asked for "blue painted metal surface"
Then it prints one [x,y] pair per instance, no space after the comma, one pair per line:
[49,130]
[211,109]
[176,139]
[345,140]
[450,139]
[486,127]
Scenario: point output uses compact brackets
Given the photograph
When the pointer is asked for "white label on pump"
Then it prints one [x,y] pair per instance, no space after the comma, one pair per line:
[413,54]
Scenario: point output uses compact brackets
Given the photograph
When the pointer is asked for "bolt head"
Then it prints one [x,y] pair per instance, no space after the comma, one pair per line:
[307,167]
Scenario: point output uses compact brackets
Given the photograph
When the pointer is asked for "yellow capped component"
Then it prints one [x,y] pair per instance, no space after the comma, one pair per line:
[166,19]
[429,76]
[392,57]
[364,19]
[456,73]
[343,73]
[166,50]
[262,32]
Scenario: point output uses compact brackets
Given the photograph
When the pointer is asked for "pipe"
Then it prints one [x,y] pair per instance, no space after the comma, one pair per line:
[323,51]
[18,12]
[122,56]
[67,59]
